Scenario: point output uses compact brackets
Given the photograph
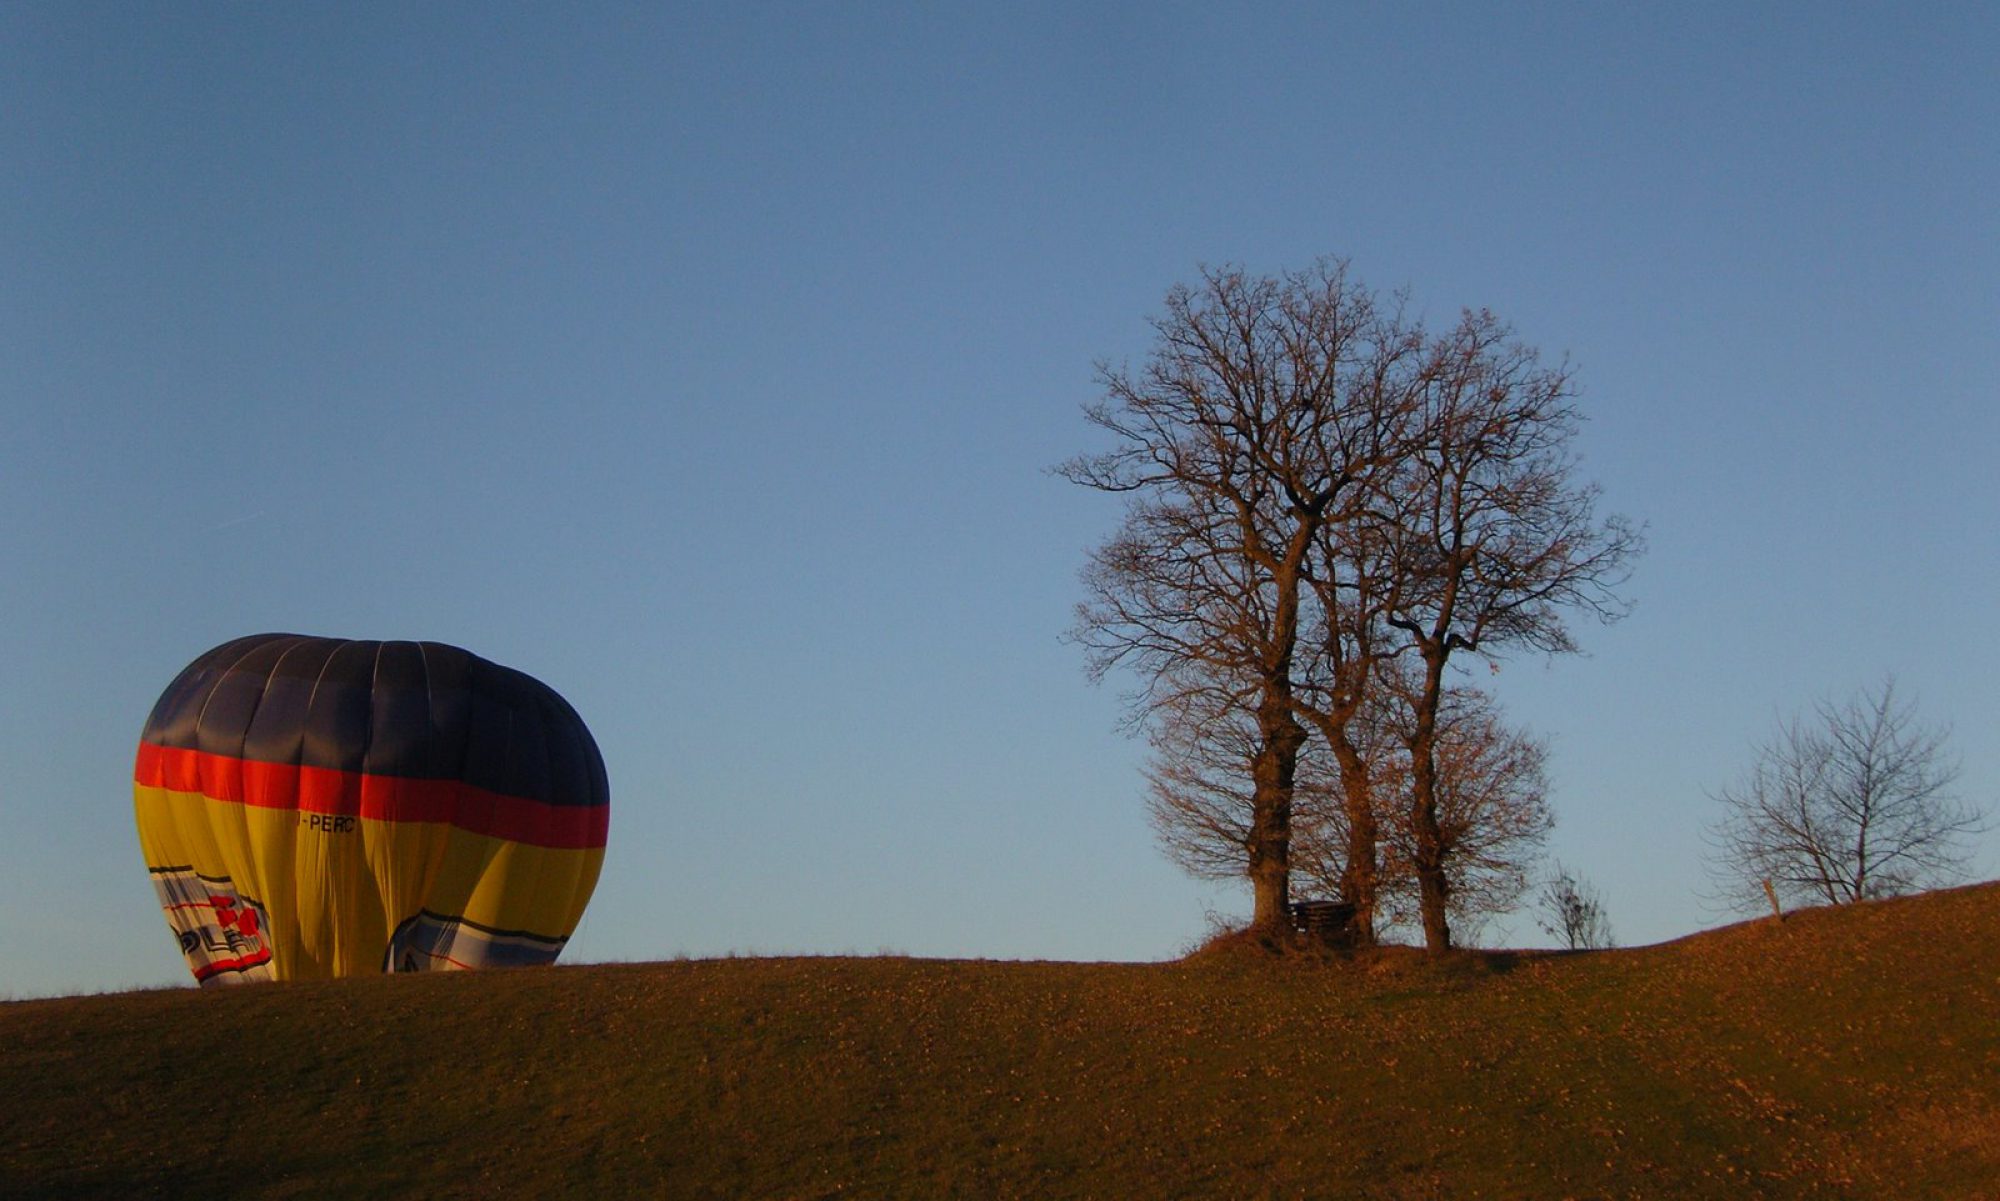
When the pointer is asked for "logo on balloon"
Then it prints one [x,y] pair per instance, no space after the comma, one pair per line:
[234,929]
[222,932]
[239,923]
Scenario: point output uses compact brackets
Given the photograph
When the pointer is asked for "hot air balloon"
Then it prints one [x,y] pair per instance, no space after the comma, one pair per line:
[315,807]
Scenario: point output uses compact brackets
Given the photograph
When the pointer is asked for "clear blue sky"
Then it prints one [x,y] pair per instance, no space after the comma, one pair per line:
[707,361]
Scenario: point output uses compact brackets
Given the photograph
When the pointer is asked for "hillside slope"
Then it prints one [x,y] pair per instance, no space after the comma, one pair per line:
[1841,1054]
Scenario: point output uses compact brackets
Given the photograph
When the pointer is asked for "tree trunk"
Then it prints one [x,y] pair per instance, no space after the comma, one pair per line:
[1433,886]
[1272,771]
[1358,879]
[1433,890]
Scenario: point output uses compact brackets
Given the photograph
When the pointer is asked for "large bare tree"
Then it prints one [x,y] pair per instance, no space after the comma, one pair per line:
[1855,803]
[1257,421]
[1496,545]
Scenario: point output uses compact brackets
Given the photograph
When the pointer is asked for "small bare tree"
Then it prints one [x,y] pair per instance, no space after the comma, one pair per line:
[1202,797]
[1493,811]
[1853,804]
[1571,910]
[1492,814]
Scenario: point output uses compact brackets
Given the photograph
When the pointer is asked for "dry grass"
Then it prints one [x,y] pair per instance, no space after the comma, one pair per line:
[1842,1054]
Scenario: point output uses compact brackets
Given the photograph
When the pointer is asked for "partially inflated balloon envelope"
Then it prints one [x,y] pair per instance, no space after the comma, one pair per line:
[313,807]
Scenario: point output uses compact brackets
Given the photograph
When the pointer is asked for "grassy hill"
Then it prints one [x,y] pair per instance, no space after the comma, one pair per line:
[1841,1054]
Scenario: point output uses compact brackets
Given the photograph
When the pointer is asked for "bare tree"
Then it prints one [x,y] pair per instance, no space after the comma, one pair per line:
[1492,810]
[1496,544]
[1318,489]
[1854,804]
[1255,423]
[1571,910]
[1355,585]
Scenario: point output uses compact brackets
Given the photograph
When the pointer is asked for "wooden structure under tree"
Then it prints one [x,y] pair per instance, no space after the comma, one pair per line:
[1330,922]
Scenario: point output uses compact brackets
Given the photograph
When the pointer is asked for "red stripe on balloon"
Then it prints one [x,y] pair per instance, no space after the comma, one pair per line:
[333,793]
[219,966]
